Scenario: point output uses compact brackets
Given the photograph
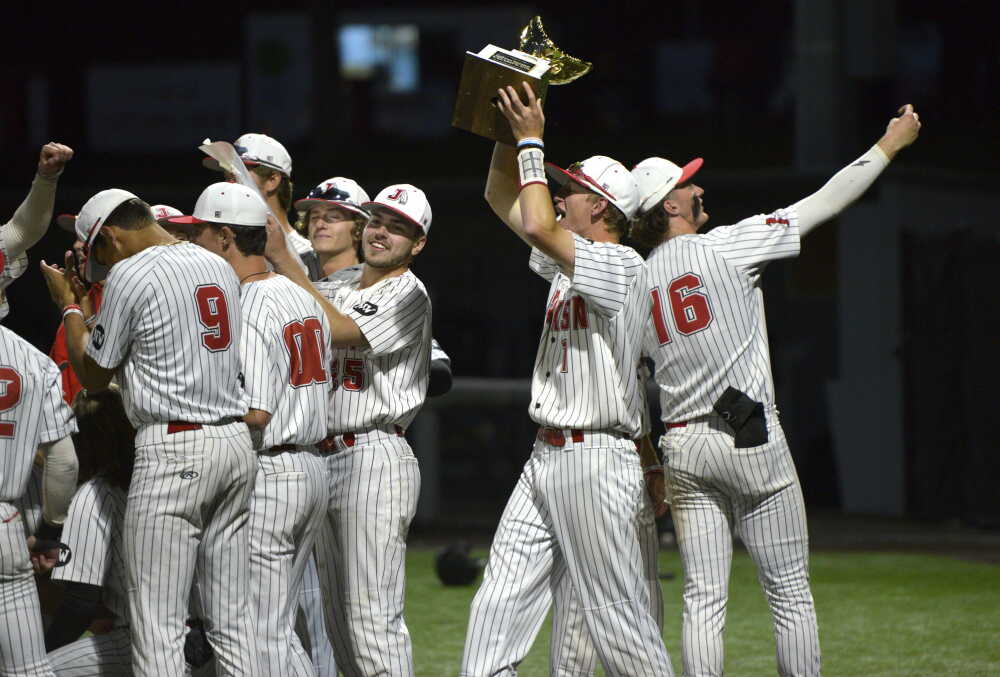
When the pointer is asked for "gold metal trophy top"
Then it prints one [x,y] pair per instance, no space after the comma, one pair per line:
[563,68]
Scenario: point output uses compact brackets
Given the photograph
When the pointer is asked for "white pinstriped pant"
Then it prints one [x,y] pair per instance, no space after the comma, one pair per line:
[361,554]
[717,490]
[578,512]
[22,646]
[310,621]
[289,500]
[187,511]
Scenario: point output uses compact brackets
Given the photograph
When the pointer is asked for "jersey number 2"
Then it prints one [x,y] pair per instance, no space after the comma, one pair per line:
[690,307]
[304,340]
[10,395]
[213,312]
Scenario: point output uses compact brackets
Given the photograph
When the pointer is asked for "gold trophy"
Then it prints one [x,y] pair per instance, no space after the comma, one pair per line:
[537,61]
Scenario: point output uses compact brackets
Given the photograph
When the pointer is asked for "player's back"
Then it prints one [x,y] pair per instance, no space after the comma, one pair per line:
[29,412]
[708,330]
[286,353]
[386,383]
[174,324]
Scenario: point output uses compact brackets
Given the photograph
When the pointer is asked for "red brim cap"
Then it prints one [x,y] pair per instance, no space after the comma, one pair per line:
[182,220]
[67,222]
[690,169]
[560,176]
[396,211]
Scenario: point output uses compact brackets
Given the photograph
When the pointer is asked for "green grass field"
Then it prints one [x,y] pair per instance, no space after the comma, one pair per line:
[880,614]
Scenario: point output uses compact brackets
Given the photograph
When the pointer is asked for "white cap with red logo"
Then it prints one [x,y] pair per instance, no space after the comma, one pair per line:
[229,204]
[603,176]
[656,177]
[91,219]
[258,149]
[408,201]
[164,212]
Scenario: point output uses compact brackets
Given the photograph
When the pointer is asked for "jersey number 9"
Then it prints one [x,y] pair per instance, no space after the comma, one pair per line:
[213,313]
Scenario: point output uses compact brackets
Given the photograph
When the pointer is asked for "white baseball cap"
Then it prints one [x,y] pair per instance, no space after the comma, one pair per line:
[228,204]
[408,201]
[91,219]
[163,212]
[258,149]
[339,191]
[656,177]
[603,176]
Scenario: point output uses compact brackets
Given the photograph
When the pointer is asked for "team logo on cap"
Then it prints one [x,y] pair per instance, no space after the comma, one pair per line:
[399,196]
[98,337]
[329,191]
[367,308]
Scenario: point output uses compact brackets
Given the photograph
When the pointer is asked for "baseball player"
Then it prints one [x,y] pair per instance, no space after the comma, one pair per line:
[70,383]
[579,508]
[33,417]
[380,318]
[725,455]
[270,166]
[169,327]
[285,350]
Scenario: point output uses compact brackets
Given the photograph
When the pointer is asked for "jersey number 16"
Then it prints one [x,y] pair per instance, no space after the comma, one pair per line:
[690,308]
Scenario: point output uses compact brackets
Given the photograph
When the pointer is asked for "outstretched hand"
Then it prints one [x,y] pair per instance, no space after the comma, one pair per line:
[65,286]
[526,118]
[901,131]
[53,159]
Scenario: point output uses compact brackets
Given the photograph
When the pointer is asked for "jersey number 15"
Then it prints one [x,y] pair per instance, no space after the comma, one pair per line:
[690,308]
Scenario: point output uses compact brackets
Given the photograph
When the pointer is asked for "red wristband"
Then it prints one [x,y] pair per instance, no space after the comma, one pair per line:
[72,308]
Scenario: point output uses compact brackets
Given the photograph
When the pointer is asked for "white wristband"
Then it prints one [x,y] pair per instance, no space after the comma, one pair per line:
[72,309]
[531,166]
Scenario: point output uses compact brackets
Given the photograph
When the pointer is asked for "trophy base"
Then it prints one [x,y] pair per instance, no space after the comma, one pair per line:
[476,108]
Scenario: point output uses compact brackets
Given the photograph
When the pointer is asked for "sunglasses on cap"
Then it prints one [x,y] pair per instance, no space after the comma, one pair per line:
[576,169]
[332,194]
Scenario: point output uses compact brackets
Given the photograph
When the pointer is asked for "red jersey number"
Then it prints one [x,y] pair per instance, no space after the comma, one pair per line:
[353,374]
[213,313]
[10,395]
[304,341]
[690,308]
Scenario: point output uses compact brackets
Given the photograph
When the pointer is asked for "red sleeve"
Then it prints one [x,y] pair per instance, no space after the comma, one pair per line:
[60,355]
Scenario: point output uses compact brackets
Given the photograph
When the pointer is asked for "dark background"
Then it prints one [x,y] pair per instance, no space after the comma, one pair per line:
[728,81]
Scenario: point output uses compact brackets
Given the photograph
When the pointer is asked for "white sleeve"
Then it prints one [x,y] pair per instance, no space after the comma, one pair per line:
[757,239]
[58,479]
[841,190]
[543,264]
[32,218]
[438,354]
[111,337]
[396,320]
[88,531]
[604,274]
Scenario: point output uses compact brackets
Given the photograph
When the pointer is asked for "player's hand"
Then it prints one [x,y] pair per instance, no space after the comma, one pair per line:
[276,249]
[59,282]
[901,131]
[53,159]
[43,560]
[656,487]
[526,117]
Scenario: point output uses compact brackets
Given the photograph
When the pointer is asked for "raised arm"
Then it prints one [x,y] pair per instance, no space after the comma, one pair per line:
[32,218]
[343,330]
[537,224]
[852,181]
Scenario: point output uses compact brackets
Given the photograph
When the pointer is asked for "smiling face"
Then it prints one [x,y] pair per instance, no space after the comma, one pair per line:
[390,240]
[576,207]
[331,229]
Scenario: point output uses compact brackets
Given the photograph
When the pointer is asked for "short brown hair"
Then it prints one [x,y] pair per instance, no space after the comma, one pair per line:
[614,218]
[649,229]
[284,188]
[105,442]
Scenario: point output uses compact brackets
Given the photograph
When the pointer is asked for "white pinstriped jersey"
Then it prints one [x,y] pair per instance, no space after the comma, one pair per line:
[30,503]
[385,384]
[93,532]
[585,371]
[32,410]
[708,330]
[170,323]
[285,350]
[9,271]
